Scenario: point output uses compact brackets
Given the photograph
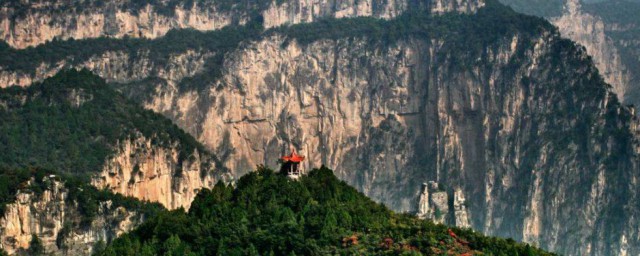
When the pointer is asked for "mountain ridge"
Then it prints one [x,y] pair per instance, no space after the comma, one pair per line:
[33,23]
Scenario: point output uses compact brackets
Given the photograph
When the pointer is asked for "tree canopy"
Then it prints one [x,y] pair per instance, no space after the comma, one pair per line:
[270,214]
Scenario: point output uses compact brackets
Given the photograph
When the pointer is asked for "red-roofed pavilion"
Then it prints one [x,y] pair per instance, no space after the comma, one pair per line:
[291,164]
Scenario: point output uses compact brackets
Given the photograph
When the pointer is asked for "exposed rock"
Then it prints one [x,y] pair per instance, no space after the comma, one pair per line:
[589,31]
[29,24]
[400,115]
[141,170]
[435,204]
[460,209]
[607,29]
[41,22]
[521,126]
[47,215]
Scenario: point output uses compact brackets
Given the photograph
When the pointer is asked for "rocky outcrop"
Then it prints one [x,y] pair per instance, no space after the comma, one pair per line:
[461,217]
[435,203]
[54,220]
[147,172]
[117,67]
[24,24]
[30,24]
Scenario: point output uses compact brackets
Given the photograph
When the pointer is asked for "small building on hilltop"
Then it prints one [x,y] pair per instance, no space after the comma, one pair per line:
[291,165]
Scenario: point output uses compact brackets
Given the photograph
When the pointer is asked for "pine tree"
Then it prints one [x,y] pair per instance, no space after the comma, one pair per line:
[35,246]
[252,251]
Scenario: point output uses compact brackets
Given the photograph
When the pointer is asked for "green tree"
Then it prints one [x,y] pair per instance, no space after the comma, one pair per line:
[35,246]
[252,251]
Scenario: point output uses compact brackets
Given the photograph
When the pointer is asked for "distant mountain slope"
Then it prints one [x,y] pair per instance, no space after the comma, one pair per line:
[609,29]
[73,121]
[268,214]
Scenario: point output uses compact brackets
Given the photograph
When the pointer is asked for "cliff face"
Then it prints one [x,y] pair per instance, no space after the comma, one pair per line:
[24,24]
[609,32]
[55,221]
[589,31]
[521,124]
[391,117]
[140,170]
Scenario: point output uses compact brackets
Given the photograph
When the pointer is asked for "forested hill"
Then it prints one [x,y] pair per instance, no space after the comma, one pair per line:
[269,214]
[73,122]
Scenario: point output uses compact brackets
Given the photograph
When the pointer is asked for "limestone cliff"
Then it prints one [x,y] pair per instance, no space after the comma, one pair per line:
[388,117]
[403,114]
[141,170]
[504,109]
[589,31]
[609,32]
[29,23]
[54,219]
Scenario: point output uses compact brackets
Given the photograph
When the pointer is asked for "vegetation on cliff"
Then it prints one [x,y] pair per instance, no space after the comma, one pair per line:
[161,7]
[463,34]
[72,121]
[80,192]
[269,214]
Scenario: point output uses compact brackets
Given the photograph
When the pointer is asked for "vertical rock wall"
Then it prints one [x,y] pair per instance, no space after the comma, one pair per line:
[31,24]
[55,221]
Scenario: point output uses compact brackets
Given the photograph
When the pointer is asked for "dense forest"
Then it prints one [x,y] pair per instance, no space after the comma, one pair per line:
[270,214]
[71,122]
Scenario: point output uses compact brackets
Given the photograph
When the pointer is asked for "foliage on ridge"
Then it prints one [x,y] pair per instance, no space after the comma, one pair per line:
[269,214]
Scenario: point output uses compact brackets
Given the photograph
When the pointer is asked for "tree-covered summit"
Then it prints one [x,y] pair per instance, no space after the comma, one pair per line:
[269,214]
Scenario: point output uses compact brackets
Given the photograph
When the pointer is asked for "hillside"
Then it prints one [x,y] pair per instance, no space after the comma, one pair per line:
[269,214]
[73,125]
[73,122]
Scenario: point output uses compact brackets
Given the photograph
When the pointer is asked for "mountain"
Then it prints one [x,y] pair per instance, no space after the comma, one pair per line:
[71,131]
[609,29]
[269,214]
[494,106]
[75,123]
